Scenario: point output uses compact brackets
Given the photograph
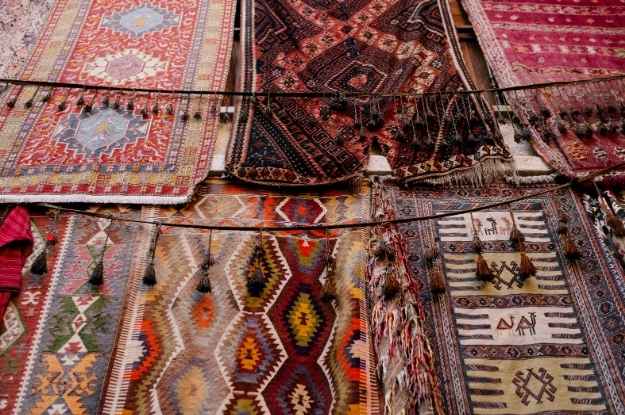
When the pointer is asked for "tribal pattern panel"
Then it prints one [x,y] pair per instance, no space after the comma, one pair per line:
[283,352]
[559,40]
[120,150]
[71,344]
[355,47]
[552,344]
[19,325]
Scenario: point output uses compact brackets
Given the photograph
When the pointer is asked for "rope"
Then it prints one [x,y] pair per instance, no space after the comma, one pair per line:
[54,84]
[348,225]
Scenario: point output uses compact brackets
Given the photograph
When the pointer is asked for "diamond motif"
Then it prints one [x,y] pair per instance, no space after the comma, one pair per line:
[298,389]
[141,20]
[192,390]
[243,266]
[301,210]
[103,132]
[128,66]
[256,350]
[303,320]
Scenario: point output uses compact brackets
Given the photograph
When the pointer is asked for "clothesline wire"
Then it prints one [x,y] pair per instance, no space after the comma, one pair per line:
[54,84]
[348,225]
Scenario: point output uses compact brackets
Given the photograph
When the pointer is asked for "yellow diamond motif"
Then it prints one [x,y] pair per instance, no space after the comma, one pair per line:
[303,320]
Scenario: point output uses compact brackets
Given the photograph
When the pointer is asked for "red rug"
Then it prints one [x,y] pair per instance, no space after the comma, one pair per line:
[356,47]
[560,40]
[109,154]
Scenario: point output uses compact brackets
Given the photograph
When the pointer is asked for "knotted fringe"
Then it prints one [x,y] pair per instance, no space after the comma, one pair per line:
[482,173]
[405,361]
[610,217]
[570,248]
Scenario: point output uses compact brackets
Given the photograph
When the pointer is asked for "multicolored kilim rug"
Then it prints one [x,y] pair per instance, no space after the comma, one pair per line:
[117,155]
[17,337]
[284,352]
[356,47]
[551,345]
[533,41]
[61,330]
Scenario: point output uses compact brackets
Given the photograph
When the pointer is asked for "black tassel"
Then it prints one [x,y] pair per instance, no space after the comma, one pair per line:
[197,116]
[185,116]
[130,106]
[88,108]
[106,101]
[62,106]
[117,104]
[169,109]
[155,109]
[81,101]
[46,97]
[204,286]
[328,291]
[144,113]
[97,275]
[40,264]
[29,104]
[11,103]
[256,285]
[149,278]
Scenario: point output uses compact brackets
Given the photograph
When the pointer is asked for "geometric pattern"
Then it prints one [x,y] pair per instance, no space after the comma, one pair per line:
[116,156]
[141,20]
[538,345]
[22,318]
[541,42]
[228,352]
[128,65]
[105,131]
[78,325]
[358,48]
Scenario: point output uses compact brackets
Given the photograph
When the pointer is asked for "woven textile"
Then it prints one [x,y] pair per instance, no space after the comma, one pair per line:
[357,47]
[15,246]
[553,344]
[542,41]
[285,351]
[22,318]
[62,329]
[108,154]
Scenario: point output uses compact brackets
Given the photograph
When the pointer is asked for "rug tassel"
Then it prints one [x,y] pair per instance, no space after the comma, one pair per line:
[204,285]
[526,268]
[97,275]
[256,284]
[483,271]
[516,237]
[570,249]
[149,278]
[40,264]
[391,286]
[611,219]
[328,291]
[437,282]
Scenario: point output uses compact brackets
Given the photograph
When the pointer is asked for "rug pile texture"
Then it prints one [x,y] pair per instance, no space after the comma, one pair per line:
[543,41]
[65,153]
[357,47]
[551,344]
[284,351]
